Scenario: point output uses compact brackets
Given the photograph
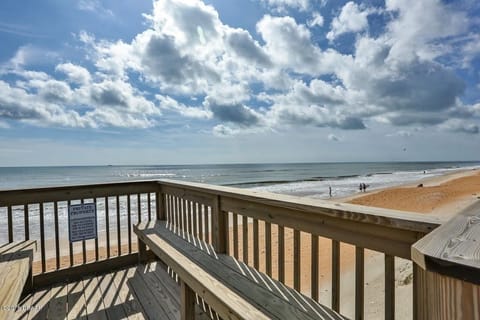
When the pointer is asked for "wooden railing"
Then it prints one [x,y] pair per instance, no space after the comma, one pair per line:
[41,214]
[257,227]
[272,233]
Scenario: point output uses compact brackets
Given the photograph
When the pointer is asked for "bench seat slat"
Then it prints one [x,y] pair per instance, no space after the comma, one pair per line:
[227,303]
[256,290]
[15,268]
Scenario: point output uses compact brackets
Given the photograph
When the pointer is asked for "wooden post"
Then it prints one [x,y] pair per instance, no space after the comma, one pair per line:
[442,297]
[187,311]
[219,227]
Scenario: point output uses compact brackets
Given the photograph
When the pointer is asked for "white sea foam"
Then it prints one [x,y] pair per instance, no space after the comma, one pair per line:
[342,187]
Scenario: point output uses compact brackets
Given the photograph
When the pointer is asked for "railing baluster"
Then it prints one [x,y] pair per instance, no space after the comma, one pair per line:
[200,222]
[139,208]
[57,236]
[96,239]
[359,283]
[170,211]
[70,244]
[178,225]
[161,205]
[181,208]
[281,254]
[84,247]
[185,216]
[107,226]
[245,238]
[129,222]
[26,218]
[256,255]
[389,287]
[235,235]
[207,225]
[195,217]
[314,270]
[268,248]
[189,217]
[149,206]
[119,235]
[182,216]
[176,215]
[296,260]
[42,237]
[10,224]
[179,215]
[336,275]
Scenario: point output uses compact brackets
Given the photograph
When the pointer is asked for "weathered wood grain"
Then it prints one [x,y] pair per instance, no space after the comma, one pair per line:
[385,217]
[453,249]
[253,294]
[442,297]
[15,271]
[74,192]
[226,302]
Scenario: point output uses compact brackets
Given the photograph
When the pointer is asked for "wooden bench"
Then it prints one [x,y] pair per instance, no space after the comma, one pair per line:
[233,289]
[15,274]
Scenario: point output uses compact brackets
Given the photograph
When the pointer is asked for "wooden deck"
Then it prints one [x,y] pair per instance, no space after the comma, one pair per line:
[140,292]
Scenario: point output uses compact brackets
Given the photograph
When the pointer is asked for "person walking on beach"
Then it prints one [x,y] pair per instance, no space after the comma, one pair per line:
[363,187]
[330,191]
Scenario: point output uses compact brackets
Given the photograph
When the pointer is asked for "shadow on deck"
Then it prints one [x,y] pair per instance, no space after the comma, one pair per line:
[139,292]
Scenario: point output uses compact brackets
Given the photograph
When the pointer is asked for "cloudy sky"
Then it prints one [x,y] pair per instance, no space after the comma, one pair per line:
[214,81]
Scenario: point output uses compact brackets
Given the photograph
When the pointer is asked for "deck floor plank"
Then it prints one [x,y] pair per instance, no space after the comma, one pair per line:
[141,292]
[93,298]
[76,304]
[39,304]
[159,291]
[126,295]
[149,304]
[113,307]
[57,307]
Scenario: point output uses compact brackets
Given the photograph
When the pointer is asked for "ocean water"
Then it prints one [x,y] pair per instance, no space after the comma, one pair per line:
[301,179]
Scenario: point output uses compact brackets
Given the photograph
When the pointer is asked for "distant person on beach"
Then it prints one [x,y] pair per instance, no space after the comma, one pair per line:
[363,187]
[330,191]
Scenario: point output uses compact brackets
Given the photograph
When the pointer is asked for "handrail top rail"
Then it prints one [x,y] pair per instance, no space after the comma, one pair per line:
[386,217]
[78,185]
[16,197]
[454,248]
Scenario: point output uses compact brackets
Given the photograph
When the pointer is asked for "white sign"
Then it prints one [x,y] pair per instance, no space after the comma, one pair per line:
[82,221]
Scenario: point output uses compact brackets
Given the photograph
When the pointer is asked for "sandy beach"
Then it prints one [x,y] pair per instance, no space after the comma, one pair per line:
[442,196]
